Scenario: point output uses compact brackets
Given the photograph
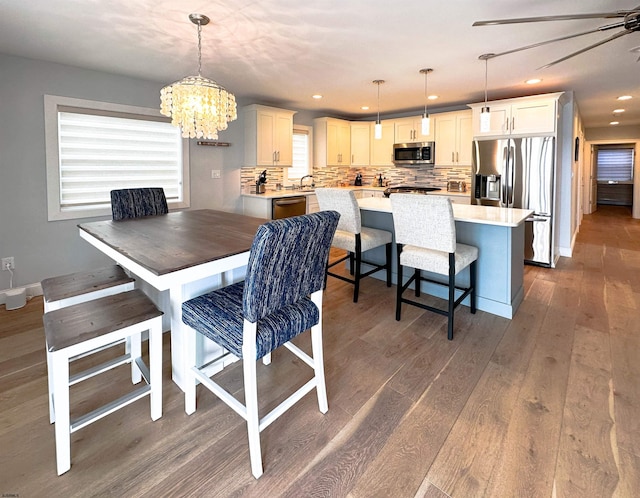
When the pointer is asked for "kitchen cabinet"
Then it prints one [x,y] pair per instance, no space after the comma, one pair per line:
[382,148]
[455,198]
[370,193]
[331,142]
[360,150]
[268,136]
[409,130]
[454,138]
[524,116]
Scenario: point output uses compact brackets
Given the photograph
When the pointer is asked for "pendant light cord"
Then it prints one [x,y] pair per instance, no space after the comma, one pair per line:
[486,79]
[378,83]
[426,93]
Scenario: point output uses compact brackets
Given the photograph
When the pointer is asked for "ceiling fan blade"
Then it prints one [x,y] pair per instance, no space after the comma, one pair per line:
[602,42]
[567,37]
[567,17]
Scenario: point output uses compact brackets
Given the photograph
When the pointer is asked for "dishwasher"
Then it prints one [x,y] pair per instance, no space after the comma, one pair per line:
[285,207]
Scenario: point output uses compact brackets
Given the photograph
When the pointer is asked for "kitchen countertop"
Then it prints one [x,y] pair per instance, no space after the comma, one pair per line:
[272,194]
[486,215]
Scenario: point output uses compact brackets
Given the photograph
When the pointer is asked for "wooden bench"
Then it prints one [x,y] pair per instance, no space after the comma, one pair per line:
[79,287]
[89,327]
[74,288]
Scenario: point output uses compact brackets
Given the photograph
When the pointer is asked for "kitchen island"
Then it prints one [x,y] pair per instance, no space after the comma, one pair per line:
[498,233]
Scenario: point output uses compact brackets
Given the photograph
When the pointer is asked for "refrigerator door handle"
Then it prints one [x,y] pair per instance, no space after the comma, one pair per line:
[503,177]
[512,173]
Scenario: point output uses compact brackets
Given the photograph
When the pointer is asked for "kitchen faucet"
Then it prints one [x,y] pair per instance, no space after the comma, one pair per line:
[307,176]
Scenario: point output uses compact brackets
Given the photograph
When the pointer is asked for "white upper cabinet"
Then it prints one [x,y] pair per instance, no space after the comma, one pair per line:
[268,136]
[360,150]
[331,142]
[453,137]
[409,130]
[523,116]
[382,148]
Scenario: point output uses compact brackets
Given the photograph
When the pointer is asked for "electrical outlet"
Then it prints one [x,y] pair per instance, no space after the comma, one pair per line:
[215,173]
[8,264]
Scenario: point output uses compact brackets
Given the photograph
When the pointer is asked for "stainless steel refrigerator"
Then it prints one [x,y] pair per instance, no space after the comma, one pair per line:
[519,173]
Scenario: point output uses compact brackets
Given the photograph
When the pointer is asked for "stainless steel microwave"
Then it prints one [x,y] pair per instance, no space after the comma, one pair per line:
[414,154]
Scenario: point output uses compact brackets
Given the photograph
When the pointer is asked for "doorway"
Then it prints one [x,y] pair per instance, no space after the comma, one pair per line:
[612,185]
[614,174]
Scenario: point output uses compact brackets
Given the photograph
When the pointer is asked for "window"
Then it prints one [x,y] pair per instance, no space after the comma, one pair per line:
[301,155]
[94,147]
[615,163]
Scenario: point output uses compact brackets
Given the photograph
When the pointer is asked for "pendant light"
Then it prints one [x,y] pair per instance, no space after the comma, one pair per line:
[426,125]
[200,107]
[485,113]
[377,130]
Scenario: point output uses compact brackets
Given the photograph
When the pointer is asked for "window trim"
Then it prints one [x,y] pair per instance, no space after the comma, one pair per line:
[52,105]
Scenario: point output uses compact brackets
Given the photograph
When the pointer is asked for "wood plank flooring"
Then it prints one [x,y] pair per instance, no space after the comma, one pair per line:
[544,405]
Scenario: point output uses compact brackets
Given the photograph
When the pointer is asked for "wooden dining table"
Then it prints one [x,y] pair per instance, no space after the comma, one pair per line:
[186,253]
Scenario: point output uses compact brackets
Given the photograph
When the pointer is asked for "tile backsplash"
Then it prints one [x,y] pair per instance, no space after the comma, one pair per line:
[333,176]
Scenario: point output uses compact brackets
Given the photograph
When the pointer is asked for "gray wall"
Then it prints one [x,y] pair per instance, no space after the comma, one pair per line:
[42,248]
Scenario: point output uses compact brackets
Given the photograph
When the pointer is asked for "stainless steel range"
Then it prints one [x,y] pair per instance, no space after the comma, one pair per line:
[409,189]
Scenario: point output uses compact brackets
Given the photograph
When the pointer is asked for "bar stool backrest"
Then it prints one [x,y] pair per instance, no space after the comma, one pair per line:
[424,221]
[344,202]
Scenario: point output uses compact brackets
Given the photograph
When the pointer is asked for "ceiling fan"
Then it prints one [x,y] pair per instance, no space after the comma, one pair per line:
[630,22]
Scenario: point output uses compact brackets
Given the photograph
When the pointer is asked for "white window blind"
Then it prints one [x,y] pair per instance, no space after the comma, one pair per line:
[99,153]
[301,155]
[615,163]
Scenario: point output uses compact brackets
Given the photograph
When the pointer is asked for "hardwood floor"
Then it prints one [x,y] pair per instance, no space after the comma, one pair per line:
[544,405]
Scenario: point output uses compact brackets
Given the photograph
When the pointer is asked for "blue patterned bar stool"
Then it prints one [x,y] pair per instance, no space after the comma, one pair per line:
[426,240]
[131,203]
[75,288]
[354,238]
[280,298]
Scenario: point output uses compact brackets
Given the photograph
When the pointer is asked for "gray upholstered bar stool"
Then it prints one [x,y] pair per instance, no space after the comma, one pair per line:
[87,327]
[426,240]
[354,238]
[74,288]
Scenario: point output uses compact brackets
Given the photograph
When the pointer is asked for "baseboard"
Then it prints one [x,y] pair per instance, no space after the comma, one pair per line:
[32,291]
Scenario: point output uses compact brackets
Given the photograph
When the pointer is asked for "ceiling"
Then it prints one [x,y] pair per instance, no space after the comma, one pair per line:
[282,52]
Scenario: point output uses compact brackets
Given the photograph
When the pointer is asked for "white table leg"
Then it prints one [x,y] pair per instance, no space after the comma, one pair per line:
[178,344]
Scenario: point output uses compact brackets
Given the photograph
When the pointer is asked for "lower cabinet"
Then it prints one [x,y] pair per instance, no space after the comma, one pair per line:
[457,198]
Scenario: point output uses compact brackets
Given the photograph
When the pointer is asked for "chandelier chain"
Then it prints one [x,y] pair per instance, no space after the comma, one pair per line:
[199,48]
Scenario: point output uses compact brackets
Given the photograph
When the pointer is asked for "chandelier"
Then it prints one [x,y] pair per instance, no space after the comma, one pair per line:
[200,107]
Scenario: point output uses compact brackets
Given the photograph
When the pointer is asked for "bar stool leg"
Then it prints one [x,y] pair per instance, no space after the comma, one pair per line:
[60,365]
[133,347]
[52,412]
[155,367]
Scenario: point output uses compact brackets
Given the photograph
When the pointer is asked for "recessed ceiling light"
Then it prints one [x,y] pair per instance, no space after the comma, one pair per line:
[533,81]
[365,108]
[317,96]
[614,122]
[616,111]
[432,97]
[624,97]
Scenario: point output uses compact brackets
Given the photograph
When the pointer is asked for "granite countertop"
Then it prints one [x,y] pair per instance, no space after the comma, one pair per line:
[272,193]
[486,215]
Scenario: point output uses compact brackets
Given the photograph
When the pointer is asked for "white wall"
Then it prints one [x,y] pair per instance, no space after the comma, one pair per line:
[41,248]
